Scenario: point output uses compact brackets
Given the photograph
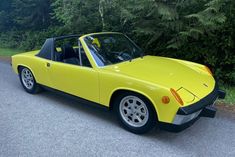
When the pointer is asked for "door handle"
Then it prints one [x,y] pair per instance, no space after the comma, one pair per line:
[48,65]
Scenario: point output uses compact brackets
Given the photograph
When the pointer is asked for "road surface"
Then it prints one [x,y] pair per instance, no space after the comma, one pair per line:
[48,124]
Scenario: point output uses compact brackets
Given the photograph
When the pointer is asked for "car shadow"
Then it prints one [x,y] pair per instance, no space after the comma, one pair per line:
[205,135]
[91,109]
[104,114]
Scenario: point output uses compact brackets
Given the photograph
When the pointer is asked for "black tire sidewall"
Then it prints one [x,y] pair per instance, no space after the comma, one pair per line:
[151,122]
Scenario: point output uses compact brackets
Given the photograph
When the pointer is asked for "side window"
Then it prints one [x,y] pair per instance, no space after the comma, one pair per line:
[67,51]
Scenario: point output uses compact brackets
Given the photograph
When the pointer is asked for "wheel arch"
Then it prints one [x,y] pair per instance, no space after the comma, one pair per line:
[116,92]
[22,65]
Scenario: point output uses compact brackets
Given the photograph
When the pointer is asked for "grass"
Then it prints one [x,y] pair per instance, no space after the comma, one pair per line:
[230,95]
[9,52]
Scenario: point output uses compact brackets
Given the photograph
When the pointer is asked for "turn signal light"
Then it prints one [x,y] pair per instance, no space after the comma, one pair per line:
[177,97]
[165,99]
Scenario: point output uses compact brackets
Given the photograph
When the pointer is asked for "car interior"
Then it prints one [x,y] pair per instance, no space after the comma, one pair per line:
[70,55]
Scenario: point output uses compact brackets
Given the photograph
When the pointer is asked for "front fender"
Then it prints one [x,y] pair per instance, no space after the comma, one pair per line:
[110,83]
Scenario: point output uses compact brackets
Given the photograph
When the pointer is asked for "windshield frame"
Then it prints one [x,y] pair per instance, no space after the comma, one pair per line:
[83,38]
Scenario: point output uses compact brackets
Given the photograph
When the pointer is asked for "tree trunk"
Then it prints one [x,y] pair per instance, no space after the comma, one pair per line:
[101,11]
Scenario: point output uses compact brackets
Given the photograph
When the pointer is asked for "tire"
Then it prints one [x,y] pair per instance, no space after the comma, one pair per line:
[135,113]
[28,81]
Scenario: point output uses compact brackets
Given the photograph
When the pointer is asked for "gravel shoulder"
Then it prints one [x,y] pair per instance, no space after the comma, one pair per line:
[5,59]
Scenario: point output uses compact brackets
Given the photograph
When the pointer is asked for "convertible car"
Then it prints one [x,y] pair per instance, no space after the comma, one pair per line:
[110,70]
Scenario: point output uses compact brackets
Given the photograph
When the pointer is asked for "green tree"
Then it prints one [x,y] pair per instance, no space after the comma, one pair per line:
[77,16]
[5,17]
[32,14]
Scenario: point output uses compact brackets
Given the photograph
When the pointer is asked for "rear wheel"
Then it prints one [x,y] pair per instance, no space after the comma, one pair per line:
[28,81]
[135,112]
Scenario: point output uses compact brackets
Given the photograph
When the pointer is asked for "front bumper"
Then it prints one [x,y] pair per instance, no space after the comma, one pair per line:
[187,115]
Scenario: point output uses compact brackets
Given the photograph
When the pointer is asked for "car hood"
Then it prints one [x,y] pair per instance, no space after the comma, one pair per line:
[190,79]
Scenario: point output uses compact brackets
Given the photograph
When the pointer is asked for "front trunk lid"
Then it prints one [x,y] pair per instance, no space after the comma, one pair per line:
[189,80]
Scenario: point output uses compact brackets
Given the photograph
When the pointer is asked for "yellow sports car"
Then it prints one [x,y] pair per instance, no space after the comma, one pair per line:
[109,69]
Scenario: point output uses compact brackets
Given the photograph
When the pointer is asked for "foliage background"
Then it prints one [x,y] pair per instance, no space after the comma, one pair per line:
[197,30]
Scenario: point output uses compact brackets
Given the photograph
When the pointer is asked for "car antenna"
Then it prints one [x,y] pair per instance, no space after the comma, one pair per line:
[142,55]
[131,56]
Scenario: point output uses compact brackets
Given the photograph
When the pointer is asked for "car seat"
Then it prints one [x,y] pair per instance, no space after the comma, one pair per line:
[68,55]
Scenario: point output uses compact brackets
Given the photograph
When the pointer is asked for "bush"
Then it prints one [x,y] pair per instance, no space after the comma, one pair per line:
[27,40]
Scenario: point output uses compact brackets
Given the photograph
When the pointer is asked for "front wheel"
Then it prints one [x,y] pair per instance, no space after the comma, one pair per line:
[135,112]
[28,81]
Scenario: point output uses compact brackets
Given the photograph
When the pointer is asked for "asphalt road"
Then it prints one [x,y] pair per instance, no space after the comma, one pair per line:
[48,124]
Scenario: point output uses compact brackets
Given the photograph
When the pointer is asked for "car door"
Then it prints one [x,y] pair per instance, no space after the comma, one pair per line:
[41,70]
[40,63]
[77,80]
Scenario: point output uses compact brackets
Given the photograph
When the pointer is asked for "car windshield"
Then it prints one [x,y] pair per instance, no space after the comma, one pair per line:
[108,49]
